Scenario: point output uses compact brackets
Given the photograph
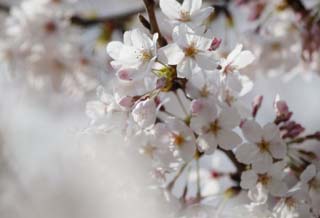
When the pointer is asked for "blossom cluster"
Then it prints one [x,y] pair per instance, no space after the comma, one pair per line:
[40,46]
[181,102]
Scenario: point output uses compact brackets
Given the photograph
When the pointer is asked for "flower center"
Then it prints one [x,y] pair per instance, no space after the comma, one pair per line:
[149,150]
[215,127]
[290,202]
[178,139]
[315,184]
[185,16]
[264,179]
[204,92]
[191,51]
[145,56]
[50,27]
[263,145]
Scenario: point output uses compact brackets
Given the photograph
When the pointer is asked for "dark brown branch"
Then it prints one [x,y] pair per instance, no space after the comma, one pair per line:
[240,167]
[298,7]
[150,7]
[4,8]
[117,19]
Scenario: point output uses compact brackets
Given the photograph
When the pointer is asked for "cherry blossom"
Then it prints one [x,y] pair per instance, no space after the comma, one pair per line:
[264,144]
[262,184]
[216,128]
[190,12]
[138,51]
[190,51]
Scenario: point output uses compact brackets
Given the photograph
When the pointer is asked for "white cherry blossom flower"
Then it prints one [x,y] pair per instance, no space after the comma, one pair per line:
[145,113]
[189,12]
[293,204]
[190,52]
[137,52]
[310,179]
[216,128]
[260,185]
[181,138]
[236,60]
[264,144]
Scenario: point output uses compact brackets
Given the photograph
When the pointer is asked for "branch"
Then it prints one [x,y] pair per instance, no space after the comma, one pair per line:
[4,8]
[240,167]
[117,19]
[150,7]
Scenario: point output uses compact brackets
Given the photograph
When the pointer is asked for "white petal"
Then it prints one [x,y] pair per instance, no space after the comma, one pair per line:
[200,15]
[171,8]
[270,131]
[277,187]
[243,59]
[207,143]
[206,60]
[262,162]
[252,131]
[197,123]
[229,118]
[246,152]
[248,179]
[259,194]
[186,67]
[171,54]
[203,43]
[235,52]
[278,151]
[308,173]
[138,39]
[113,49]
[228,139]
[191,5]
[144,113]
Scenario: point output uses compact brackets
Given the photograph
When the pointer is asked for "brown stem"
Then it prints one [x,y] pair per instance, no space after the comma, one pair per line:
[240,167]
[150,7]
[116,19]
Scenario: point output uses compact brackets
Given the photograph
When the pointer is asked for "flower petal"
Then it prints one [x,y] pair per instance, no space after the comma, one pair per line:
[248,179]
[171,54]
[243,59]
[270,131]
[308,173]
[252,131]
[278,151]
[191,5]
[206,60]
[246,152]
[228,139]
[262,162]
[229,118]
[207,143]
[114,48]
[171,8]
[277,188]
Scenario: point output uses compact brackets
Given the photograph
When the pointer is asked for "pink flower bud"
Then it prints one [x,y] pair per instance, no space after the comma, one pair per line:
[256,104]
[215,44]
[282,111]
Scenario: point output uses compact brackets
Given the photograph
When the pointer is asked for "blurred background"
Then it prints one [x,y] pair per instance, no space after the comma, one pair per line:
[50,166]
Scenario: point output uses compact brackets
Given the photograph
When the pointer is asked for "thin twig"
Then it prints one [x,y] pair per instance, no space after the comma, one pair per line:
[117,19]
[150,7]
